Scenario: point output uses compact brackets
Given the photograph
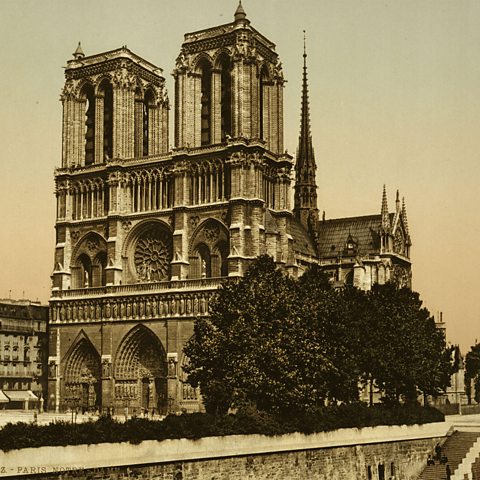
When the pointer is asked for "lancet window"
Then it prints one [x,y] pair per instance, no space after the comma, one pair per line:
[226,96]
[263,102]
[209,182]
[106,94]
[270,185]
[150,191]
[88,199]
[206,102]
[88,97]
[144,103]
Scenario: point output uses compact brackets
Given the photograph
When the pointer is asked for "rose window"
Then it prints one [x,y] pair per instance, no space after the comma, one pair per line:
[152,257]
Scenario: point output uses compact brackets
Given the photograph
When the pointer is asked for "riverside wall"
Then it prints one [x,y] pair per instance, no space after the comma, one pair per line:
[346,454]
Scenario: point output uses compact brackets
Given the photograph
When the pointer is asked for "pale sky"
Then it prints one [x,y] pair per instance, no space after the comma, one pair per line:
[394,95]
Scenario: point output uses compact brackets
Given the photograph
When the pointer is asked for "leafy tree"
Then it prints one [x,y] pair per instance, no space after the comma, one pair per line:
[472,373]
[331,323]
[282,345]
[404,351]
[255,348]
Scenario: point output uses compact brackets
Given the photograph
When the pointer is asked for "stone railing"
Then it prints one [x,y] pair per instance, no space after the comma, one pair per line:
[140,288]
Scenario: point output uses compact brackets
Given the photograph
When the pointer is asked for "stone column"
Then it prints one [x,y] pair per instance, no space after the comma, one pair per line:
[172,382]
[107,375]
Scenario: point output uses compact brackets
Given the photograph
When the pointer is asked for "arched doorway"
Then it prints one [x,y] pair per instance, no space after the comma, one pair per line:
[140,372]
[82,387]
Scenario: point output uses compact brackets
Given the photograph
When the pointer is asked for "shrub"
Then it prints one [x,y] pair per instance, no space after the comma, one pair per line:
[197,425]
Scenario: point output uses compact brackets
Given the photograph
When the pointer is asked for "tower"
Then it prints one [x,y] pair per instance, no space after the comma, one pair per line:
[228,84]
[305,200]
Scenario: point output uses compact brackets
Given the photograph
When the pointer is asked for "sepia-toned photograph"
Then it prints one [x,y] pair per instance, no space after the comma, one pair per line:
[239,240]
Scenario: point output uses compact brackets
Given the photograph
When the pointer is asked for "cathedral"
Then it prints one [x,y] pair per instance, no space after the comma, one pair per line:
[146,233]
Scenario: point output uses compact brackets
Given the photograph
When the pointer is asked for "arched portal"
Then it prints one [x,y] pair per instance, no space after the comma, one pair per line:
[83,377]
[140,372]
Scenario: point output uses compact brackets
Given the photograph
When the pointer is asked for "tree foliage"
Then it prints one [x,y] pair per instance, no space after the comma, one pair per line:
[472,373]
[285,345]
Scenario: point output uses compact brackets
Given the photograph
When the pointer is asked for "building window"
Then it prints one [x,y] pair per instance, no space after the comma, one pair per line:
[206,103]
[89,135]
[107,120]
[381,471]
[226,97]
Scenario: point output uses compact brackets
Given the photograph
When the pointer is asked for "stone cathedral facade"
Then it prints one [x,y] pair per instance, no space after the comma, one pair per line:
[145,235]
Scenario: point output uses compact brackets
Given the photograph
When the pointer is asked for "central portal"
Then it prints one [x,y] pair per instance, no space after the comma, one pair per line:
[140,373]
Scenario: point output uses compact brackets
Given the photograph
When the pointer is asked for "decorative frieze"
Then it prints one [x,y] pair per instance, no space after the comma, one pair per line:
[152,306]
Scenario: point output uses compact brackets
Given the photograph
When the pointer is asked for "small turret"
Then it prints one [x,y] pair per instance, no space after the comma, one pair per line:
[240,12]
[78,53]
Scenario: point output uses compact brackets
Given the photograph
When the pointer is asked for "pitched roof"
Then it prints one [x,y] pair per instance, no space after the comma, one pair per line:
[302,242]
[364,231]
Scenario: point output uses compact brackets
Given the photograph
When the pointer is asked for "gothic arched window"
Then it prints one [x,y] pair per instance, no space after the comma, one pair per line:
[147,103]
[206,102]
[84,272]
[205,261]
[107,92]
[226,97]
[89,98]
[98,270]
[263,102]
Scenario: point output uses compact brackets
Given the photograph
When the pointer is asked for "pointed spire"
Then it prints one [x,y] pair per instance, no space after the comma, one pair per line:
[305,125]
[240,12]
[397,202]
[404,216]
[385,214]
[305,203]
[78,54]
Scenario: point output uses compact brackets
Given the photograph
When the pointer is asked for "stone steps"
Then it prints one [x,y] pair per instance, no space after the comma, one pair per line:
[455,449]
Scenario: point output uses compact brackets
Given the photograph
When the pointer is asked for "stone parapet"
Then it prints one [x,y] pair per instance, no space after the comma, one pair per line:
[236,454]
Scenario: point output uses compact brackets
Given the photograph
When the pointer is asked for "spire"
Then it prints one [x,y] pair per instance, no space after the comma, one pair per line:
[78,53]
[397,202]
[385,215]
[305,183]
[240,12]
[404,216]
[305,119]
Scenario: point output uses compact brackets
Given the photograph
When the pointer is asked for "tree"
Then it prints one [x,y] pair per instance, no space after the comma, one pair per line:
[284,345]
[404,352]
[255,348]
[331,322]
[472,373]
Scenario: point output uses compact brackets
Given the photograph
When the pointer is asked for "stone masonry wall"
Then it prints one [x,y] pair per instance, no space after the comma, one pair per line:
[340,463]
[349,454]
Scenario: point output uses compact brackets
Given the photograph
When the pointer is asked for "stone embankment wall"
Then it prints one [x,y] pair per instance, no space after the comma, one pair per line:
[347,454]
